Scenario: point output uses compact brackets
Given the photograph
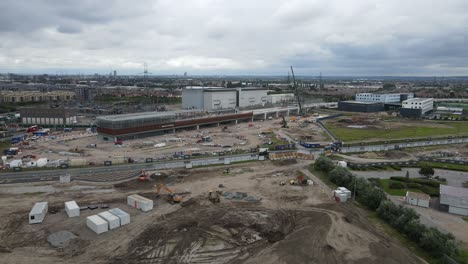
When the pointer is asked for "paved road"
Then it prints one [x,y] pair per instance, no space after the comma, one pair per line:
[454,178]
[97,174]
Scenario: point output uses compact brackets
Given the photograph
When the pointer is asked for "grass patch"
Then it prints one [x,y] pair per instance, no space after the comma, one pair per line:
[448,166]
[418,131]
[396,192]
[4,145]
[466,220]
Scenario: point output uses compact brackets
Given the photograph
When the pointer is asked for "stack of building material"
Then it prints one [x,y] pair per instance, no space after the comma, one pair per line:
[38,212]
[97,224]
[112,220]
[72,209]
[346,191]
[140,202]
[124,217]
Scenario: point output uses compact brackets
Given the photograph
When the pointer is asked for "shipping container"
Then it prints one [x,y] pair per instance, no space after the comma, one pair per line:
[16,163]
[72,209]
[97,224]
[42,162]
[112,220]
[38,212]
[78,162]
[140,202]
[310,145]
[124,217]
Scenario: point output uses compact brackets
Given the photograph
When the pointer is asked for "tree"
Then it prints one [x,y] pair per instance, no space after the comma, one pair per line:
[437,243]
[324,164]
[340,176]
[426,170]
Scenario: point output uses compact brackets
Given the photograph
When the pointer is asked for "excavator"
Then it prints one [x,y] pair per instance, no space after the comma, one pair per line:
[173,197]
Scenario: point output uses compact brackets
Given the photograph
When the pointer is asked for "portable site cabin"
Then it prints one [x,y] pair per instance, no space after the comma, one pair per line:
[346,191]
[97,224]
[38,213]
[112,220]
[122,215]
[340,196]
[342,163]
[72,209]
[140,202]
[418,199]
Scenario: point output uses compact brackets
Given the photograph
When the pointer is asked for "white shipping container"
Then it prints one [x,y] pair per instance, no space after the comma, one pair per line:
[160,145]
[72,209]
[343,197]
[38,212]
[140,202]
[16,163]
[112,220]
[41,162]
[122,215]
[97,224]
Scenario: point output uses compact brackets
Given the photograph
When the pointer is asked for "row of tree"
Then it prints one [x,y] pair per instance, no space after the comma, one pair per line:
[405,220]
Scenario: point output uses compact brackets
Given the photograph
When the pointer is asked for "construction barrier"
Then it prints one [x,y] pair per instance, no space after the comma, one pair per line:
[290,155]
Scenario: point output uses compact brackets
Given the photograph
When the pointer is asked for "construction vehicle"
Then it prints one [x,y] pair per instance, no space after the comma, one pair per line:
[143,176]
[213,196]
[173,197]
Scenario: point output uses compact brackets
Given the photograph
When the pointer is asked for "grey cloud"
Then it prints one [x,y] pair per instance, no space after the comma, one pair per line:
[220,36]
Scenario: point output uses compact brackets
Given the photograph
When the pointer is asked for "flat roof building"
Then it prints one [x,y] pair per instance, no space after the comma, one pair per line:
[139,125]
[455,198]
[216,98]
[356,106]
[416,107]
[48,116]
[384,97]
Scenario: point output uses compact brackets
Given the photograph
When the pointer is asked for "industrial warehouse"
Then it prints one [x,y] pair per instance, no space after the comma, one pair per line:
[153,123]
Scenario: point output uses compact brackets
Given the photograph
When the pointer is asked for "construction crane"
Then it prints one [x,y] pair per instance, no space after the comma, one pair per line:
[297,92]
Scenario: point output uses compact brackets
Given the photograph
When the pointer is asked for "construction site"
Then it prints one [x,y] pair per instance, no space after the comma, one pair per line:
[79,148]
[260,212]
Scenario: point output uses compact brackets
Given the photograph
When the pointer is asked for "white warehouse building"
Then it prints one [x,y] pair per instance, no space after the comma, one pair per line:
[383,98]
[416,107]
[217,98]
[455,198]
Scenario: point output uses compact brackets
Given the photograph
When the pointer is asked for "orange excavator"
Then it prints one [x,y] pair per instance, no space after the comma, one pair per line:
[173,197]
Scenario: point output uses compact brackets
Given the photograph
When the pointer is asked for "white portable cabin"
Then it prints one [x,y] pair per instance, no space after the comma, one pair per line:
[342,163]
[38,212]
[340,196]
[140,202]
[97,224]
[72,209]
[346,191]
[418,199]
[122,215]
[112,220]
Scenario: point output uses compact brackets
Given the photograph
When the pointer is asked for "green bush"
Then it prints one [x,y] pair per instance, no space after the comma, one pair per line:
[396,185]
[376,182]
[430,190]
[431,183]
[324,164]
[398,178]
[413,185]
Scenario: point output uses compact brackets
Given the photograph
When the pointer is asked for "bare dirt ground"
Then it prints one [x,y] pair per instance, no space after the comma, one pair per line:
[242,136]
[290,224]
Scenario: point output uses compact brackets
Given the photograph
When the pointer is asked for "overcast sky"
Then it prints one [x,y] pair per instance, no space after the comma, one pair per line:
[336,37]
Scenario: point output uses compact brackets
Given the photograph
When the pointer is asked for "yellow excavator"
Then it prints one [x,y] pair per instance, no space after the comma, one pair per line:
[173,197]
